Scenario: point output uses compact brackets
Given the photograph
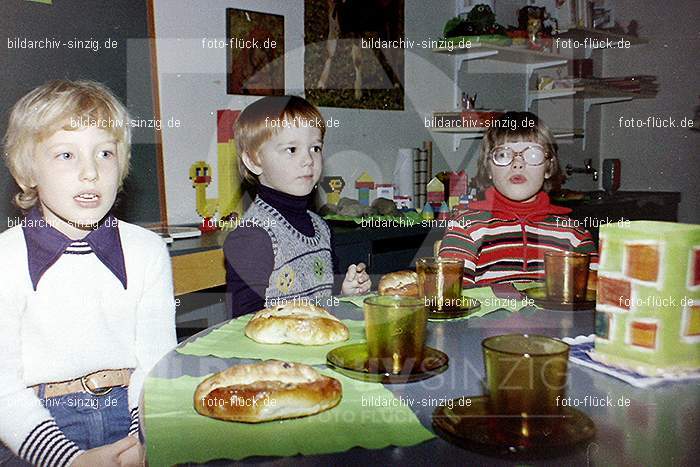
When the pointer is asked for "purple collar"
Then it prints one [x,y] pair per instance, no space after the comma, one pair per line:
[45,245]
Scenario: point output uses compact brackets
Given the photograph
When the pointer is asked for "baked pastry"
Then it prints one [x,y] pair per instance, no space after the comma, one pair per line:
[399,283]
[269,390]
[295,323]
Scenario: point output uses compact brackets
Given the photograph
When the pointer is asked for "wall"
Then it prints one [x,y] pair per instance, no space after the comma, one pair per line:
[192,87]
[666,159]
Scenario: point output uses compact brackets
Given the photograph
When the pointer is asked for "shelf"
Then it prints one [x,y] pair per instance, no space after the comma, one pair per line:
[468,133]
[505,54]
[550,94]
[580,34]
[602,93]
[564,133]
[589,96]
[460,134]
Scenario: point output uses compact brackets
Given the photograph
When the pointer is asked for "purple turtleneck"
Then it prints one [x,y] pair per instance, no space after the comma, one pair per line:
[248,250]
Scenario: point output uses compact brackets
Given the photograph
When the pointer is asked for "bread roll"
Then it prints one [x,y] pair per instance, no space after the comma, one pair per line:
[295,323]
[399,283]
[269,390]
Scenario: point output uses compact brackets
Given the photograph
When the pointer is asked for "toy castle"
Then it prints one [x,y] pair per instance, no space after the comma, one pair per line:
[648,304]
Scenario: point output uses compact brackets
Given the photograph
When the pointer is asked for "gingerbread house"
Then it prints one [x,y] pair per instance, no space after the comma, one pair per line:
[648,304]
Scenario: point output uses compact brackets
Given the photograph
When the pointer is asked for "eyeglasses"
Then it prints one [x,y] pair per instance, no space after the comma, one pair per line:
[503,156]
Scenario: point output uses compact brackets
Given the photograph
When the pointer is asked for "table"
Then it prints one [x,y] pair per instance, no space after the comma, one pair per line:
[198,263]
[661,426]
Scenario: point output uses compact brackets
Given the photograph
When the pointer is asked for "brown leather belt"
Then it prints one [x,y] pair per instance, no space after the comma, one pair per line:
[99,383]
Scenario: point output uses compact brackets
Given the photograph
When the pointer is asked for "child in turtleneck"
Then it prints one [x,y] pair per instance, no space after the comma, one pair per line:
[504,237]
[282,251]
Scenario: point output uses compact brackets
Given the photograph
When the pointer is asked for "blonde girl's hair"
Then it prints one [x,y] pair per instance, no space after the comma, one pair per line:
[61,105]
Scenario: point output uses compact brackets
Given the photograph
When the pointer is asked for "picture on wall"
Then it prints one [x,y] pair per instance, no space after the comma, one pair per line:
[255,53]
[345,61]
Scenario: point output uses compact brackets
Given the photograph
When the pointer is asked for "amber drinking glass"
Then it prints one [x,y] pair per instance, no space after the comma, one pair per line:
[440,283]
[395,327]
[525,374]
[566,275]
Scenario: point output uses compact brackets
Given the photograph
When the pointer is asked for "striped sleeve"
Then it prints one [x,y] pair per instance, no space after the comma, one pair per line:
[458,243]
[587,245]
[47,446]
[134,425]
[26,426]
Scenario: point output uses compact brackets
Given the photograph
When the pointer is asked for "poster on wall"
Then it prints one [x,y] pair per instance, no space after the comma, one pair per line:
[347,60]
[255,53]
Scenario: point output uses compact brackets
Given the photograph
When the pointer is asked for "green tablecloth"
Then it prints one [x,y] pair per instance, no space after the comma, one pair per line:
[230,341]
[489,301]
[527,285]
[368,416]
[356,300]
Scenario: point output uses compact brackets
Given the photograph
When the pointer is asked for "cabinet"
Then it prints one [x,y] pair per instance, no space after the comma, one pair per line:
[383,249]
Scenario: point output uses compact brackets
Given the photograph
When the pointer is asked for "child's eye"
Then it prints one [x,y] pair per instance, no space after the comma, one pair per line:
[106,154]
[64,156]
[317,148]
[291,150]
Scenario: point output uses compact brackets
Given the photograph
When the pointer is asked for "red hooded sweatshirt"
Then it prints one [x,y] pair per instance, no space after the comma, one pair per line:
[464,242]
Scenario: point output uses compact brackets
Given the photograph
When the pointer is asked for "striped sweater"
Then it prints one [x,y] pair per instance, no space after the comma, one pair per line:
[502,240]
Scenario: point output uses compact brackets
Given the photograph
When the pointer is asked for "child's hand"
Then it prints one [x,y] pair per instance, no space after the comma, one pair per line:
[135,456]
[108,455]
[356,282]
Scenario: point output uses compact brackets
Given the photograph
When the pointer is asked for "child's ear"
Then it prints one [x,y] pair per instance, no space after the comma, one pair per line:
[548,171]
[251,165]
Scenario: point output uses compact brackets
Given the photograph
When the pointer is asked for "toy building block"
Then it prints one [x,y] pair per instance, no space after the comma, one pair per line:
[200,174]
[443,212]
[364,184]
[403,202]
[648,304]
[385,190]
[436,192]
[427,213]
[332,186]
[229,187]
[457,186]
[463,203]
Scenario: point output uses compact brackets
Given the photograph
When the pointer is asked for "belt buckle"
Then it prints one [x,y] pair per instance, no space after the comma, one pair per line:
[94,392]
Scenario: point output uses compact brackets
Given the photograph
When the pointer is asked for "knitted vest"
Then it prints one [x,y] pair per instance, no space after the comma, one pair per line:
[303,265]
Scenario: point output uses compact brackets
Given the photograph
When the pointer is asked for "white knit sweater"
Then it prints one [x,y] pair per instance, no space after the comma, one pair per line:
[78,321]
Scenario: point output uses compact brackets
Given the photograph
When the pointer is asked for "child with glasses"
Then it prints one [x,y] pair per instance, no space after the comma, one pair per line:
[504,237]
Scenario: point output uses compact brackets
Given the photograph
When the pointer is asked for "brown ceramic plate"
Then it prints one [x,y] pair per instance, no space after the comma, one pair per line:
[474,428]
[539,296]
[352,361]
